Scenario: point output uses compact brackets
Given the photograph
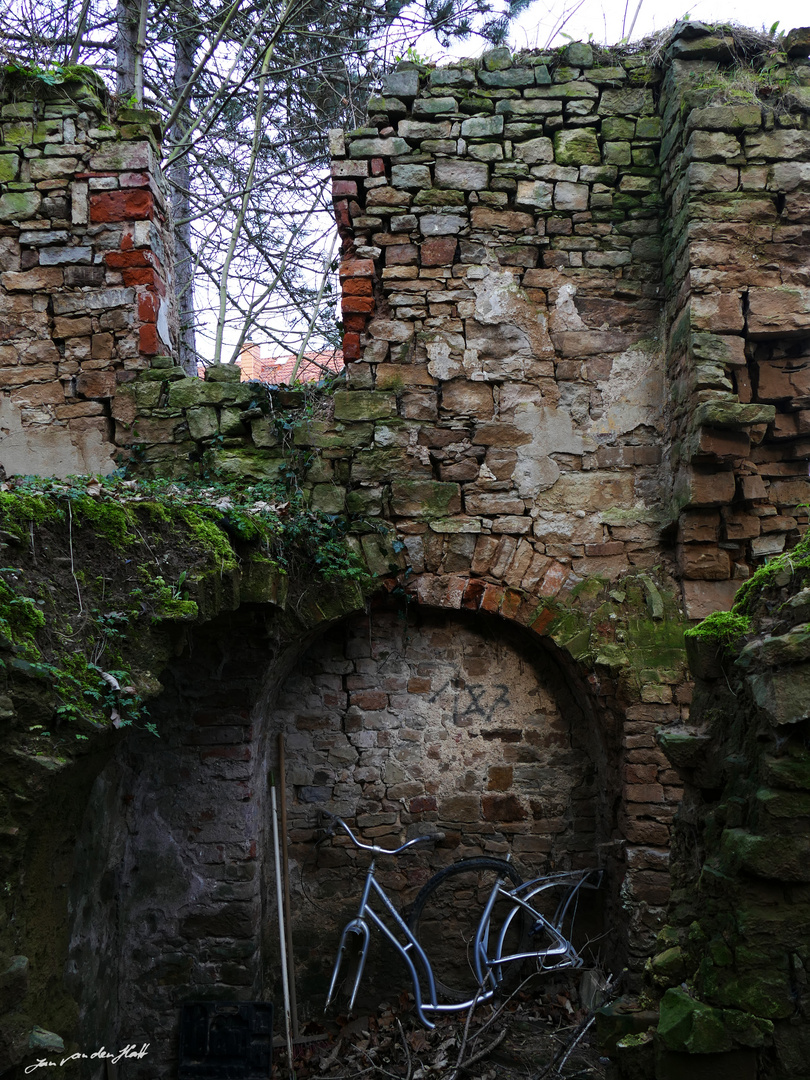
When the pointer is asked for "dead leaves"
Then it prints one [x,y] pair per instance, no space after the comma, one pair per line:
[531,1036]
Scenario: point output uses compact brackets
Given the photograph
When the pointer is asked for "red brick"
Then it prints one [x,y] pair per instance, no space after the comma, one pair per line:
[357,304]
[351,346]
[357,268]
[502,808]
[227,716]
[234,753]
[357,287]
[120,260]
[640,774]
[472,595]
[511,603]
[148,305]
[646,832]
[438,251]
[354,322]
[369,700]
[553,580]
[148,340]
[491,600]
[134,204]
[342,213]
[377,166]
[422,804]
[644,793]
[543,621]
[143,277]
[343,187]
[418,686]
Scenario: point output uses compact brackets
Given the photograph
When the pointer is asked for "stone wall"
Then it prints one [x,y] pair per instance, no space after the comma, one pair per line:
[735,183]
[86,281]
[411,720]
[737,927]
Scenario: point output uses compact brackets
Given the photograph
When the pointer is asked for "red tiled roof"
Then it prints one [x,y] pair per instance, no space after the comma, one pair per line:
[278,369]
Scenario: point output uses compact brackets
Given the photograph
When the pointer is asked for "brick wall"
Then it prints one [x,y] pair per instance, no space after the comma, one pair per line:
[85,287]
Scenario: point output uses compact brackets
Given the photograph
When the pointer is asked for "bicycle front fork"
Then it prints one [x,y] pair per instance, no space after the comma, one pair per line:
[355,951]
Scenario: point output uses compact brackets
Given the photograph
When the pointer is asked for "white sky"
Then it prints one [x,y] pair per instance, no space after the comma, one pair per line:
[604,18]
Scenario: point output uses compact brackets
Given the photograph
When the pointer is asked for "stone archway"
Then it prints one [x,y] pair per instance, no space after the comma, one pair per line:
[407,719]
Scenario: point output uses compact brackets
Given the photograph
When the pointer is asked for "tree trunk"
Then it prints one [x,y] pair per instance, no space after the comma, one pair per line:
[129,12]
[180,179]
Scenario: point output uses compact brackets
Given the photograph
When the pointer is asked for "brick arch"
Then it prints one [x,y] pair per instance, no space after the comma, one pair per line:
[644,788]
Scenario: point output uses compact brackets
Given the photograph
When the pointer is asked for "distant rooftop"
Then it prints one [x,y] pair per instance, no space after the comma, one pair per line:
[278,369]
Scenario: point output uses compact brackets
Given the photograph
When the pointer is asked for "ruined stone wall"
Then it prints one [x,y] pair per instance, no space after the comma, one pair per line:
[85,269]
[735,184]
[737,927]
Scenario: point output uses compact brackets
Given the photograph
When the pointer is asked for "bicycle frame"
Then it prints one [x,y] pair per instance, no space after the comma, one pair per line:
[360,926]
[489,968]
[487,963]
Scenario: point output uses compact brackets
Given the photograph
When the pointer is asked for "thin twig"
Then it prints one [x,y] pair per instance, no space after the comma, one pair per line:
[496,1042]
[569,1051]
[70,542]
[466,1034]
[408,1060]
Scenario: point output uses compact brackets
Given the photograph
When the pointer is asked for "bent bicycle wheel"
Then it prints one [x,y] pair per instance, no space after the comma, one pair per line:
[445,917]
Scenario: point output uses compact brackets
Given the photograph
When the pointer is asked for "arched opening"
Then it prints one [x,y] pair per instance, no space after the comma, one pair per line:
[408,720]
[401,718]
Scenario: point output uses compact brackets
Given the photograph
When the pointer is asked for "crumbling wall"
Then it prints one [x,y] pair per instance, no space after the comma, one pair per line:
[86,281]
[730,966]
[735,182]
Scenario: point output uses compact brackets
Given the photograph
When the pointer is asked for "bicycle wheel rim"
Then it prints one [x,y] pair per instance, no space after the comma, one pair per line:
[444,919]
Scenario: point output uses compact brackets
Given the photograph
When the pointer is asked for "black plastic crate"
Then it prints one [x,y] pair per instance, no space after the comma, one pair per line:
[226,1040]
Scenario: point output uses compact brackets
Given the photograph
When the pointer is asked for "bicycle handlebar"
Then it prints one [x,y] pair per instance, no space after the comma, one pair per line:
[373,847]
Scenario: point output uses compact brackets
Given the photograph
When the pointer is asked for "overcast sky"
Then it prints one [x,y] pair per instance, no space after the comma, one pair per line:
[604,19]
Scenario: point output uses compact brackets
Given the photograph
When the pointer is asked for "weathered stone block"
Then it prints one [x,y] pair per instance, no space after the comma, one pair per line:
[202,423]
[780,311]
[482,127]
[725,118]
[704,488]
[369,148]
[577,146]
[391,330]
[438,251]
[704,562]
[508,220]
[442,224]
[570,196]
[364,405]
[19,205]
[731,414]
[461,175]
[633,101]
[32,280]
[425,498]
[534,193]
[717,312]
[782,144]
[512,77]
[410,176]
[403,84]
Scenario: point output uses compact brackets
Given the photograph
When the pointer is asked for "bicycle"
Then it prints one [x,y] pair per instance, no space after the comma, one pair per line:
[509,931]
